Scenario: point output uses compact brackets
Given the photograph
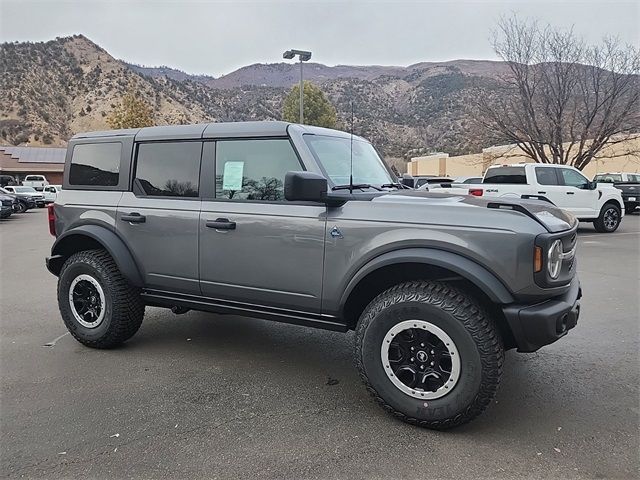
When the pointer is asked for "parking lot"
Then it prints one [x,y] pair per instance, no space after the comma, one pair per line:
[206,396]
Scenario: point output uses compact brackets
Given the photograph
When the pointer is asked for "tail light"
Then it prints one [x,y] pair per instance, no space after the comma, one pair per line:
[476,192]
[51,214]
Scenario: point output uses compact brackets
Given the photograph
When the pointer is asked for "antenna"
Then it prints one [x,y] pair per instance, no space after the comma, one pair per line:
[351,154]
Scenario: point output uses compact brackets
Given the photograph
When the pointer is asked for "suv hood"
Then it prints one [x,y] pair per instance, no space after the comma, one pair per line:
[548,215]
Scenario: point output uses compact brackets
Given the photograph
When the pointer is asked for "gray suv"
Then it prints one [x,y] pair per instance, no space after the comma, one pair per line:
[308,226]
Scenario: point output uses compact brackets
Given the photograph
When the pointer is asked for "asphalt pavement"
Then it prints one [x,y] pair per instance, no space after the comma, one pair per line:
[206,396]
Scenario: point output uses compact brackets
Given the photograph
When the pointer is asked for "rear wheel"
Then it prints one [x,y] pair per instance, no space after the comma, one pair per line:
[429,354]
[609,219]
[99,307]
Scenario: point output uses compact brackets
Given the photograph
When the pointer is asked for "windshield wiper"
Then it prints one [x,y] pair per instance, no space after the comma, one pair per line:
[356,186]
[392,185]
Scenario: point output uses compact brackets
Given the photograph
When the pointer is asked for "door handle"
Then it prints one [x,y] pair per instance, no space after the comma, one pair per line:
[542,193]
[133,217]
[571,193]
[221,224]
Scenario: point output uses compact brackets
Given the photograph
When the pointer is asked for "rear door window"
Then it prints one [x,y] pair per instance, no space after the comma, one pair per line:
[546,176]
[95,164]
[168,169]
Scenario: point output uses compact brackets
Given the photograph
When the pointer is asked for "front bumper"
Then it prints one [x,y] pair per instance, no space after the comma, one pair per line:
[537,325]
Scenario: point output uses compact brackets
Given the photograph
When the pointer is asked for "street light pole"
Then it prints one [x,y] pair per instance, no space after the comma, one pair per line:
[303,56]
[301,94]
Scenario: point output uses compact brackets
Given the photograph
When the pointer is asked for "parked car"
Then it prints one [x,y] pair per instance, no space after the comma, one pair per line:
[7,205]
[627,183]
[466,180]
[36,181]
[307,225]
[51,193]
[418,181]
[31,197]
[20,204]
[7,180]
[436,182]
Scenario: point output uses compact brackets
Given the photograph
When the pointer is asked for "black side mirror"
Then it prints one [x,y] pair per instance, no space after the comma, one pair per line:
[592,185]
[305,187]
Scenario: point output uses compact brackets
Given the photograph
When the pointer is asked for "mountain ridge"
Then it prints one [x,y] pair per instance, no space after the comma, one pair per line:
[57,88]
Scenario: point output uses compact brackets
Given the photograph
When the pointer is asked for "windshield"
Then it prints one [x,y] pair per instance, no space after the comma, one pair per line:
[333,155]
[24,189]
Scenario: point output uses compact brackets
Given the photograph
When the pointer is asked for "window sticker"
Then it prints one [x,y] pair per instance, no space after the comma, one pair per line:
[232,176]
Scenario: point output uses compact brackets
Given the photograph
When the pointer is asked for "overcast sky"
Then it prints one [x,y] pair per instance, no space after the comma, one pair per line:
[216,37]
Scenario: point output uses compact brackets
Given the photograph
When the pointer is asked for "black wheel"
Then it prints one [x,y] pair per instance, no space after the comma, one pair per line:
[609,219]
[22,207]
[429,354]
[98,306]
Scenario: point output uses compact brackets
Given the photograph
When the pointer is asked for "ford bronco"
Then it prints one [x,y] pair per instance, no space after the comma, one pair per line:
[309,226]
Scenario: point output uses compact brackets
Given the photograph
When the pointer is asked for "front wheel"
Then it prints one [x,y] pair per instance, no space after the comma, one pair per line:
[98,306]
[609,219]
[429,354]
[21,208]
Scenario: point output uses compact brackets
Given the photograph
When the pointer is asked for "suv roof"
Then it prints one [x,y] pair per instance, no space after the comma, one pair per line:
[213,130]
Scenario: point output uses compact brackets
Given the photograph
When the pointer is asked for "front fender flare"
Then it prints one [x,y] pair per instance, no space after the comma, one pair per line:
[466,268]
[69,242]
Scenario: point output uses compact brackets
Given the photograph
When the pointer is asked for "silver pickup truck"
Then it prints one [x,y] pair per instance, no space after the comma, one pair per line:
[308,226]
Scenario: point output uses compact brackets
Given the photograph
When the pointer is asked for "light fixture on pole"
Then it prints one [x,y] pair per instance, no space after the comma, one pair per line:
[303,56]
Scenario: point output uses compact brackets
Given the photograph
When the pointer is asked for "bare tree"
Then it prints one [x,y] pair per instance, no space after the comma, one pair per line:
[563,100]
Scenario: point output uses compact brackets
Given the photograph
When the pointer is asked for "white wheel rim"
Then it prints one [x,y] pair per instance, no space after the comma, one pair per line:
[92,314]
[427,361]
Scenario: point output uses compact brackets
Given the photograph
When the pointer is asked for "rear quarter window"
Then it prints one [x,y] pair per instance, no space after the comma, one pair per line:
[95,164]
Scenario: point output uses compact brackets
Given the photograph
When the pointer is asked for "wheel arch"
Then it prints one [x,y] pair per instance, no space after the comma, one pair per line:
[89,237]
[399,266]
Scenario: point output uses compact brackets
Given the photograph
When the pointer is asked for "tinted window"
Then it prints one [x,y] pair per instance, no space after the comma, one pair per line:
[168,169]
[633,178]
[515,175]
[473,180]
[254,169]
[572,178]
[546,176]
[95,164]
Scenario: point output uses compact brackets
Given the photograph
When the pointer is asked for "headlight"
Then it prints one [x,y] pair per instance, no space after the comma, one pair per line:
[554,259]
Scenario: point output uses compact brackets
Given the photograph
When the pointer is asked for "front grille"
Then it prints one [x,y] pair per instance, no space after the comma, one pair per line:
[7,203]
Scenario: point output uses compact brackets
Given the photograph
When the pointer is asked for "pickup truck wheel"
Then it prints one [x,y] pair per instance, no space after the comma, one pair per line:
[429,354]
[99,307]
[609,219]
[21,208]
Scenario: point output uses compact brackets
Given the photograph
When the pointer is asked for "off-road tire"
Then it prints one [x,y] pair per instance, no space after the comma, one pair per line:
[601,224]
[476,337]
[124,307]
[22,207]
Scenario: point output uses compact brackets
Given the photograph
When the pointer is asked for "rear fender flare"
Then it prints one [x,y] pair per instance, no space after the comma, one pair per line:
[71,241]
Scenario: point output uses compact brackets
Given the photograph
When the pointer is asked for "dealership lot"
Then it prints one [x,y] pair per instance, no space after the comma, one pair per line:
[200,395]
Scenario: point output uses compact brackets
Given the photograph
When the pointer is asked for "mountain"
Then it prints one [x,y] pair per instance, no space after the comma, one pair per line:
[54,89]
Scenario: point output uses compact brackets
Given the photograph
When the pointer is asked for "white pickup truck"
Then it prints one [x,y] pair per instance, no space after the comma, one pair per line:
[36,181]
[564,186]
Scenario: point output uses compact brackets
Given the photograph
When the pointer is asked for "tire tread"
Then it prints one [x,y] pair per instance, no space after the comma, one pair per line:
[466,310]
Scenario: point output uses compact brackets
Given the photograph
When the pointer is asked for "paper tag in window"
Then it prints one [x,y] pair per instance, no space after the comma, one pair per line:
[232,176]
